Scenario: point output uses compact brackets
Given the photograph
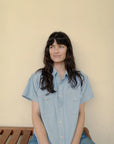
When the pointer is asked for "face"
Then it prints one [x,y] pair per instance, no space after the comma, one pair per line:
[57,52]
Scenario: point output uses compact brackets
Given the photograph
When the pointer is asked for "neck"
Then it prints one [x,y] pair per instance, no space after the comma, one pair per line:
[60,67]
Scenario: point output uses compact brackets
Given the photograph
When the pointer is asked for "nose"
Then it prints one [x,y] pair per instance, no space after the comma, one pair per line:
[56,49]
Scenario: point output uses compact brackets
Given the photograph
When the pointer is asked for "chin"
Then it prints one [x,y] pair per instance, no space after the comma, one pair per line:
[57,61]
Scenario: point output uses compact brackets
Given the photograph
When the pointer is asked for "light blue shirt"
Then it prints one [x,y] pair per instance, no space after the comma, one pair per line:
[59,111]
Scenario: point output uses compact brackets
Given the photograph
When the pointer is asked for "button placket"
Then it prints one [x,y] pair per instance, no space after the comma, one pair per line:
[60,109]
[60,123]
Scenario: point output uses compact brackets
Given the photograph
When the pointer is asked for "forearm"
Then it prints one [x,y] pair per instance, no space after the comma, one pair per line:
[40,130]
[79,128]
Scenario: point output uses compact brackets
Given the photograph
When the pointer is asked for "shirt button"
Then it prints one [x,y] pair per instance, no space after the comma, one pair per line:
[60,108]
[60,121]
[61,136]
[60,95]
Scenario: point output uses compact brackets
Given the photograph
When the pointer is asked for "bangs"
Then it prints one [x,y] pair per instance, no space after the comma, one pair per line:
[59,40]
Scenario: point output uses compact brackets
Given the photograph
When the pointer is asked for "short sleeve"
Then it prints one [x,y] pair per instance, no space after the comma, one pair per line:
[86,90]
[30,91]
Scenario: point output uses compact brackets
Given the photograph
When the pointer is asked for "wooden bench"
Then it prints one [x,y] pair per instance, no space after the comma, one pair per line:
[14,135]
[20,135]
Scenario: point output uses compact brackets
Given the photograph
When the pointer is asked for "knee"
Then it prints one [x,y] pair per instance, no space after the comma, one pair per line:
[86,140]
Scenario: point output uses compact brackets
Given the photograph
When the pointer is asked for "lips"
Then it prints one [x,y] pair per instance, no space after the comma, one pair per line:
[56,56]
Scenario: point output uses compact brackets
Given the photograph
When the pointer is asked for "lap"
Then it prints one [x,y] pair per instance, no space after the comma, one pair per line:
[84,140]
[33,140]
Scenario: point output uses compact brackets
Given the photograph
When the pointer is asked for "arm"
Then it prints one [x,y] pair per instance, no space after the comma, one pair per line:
[80,125]
[38,124]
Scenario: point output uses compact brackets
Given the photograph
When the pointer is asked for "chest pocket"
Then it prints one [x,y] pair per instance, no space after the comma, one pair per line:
[73,99]
[75,104]
[47,103]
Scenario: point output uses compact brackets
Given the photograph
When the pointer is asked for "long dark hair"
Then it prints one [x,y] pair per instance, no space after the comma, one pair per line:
[46,79]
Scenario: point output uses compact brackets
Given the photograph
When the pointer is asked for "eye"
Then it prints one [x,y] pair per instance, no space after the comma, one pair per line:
[61,46]
[51,46]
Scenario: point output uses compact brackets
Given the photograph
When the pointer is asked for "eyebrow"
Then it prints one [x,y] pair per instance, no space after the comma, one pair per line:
[58,44]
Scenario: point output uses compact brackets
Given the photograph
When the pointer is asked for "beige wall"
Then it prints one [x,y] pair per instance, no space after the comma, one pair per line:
[24,28]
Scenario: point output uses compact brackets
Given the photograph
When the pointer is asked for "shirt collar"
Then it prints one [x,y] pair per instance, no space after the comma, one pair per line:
[55,72]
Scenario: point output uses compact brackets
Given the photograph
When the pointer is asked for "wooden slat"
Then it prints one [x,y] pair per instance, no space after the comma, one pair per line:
[15,137]
[25,137]
[16,128]
[1,130]
[4,136]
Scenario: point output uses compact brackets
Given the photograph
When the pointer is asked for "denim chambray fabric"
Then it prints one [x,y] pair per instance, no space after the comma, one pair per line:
[84,140]
[59,111]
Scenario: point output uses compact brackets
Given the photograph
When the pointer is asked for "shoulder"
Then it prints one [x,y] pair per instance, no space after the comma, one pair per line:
[35,76]
[82,74]
[81,77]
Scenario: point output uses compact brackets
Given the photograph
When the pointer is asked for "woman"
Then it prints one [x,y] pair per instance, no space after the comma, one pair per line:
[58,92]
